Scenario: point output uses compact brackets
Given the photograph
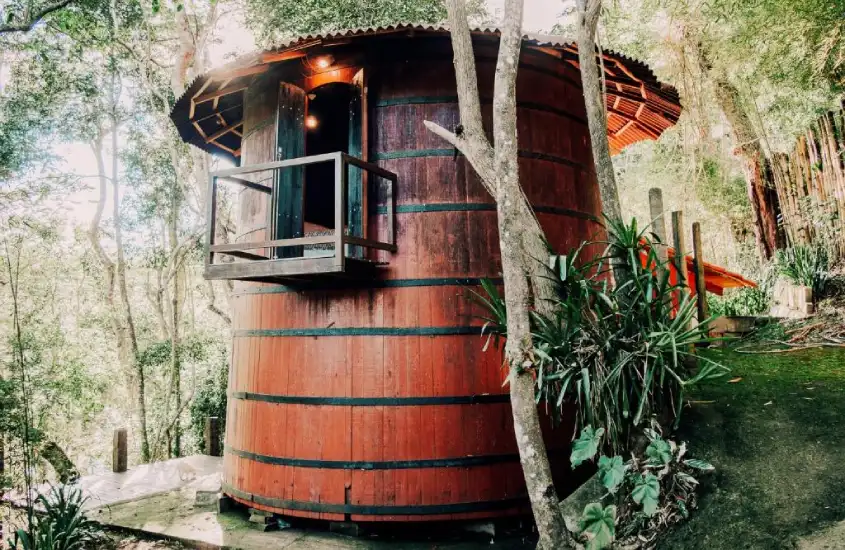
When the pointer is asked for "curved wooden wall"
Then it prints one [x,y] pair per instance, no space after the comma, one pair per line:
[379,403]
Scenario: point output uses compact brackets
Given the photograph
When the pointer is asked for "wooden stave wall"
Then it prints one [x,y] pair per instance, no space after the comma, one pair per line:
[411,283]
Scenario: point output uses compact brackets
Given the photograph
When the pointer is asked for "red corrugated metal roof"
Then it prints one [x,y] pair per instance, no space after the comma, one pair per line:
[639,106]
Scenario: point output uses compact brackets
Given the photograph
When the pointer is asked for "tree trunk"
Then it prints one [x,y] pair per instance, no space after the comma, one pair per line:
[588,18]
[128,320]
[758,176]
[61,464]
[189,54]
[114,274]
[175,437]
[524,253]
[594,100]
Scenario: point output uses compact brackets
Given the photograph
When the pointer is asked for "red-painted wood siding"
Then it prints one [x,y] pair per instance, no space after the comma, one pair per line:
[407,336]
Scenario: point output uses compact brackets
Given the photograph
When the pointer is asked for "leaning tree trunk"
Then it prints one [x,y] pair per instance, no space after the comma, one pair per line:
[758,176]
[55,456]
[594,101]
[521,243]
[588,19]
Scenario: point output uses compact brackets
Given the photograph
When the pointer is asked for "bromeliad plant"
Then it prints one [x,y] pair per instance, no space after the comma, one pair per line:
[645,495]
[805,265]
[620,353]
[60,525]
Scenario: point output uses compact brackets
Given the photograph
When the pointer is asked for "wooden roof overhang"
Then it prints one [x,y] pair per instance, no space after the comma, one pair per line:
[716,278]
[209,114]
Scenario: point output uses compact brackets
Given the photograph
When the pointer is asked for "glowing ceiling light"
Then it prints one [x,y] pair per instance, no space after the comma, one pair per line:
[311,122]
[323,62]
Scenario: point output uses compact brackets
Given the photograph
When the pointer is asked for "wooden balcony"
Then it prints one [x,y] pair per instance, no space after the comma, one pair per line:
[334,253]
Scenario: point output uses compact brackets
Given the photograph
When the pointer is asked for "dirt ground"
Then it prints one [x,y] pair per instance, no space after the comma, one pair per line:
[133,543]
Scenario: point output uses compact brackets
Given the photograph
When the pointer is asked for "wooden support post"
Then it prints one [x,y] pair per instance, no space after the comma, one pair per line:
[658,224]
[679,243]
[119,451]
[212,436]
[655,207]
[700,285]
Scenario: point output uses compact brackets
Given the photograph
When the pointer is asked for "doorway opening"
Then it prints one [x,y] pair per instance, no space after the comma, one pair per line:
[330,127]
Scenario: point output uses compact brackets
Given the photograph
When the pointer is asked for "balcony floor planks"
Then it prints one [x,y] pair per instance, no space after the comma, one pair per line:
[292,270]
[246,255]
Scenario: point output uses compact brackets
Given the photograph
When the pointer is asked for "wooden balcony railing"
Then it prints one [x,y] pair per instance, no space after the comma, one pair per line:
[257,260]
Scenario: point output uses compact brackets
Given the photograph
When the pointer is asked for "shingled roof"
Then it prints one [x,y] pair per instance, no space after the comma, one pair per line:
[639,106]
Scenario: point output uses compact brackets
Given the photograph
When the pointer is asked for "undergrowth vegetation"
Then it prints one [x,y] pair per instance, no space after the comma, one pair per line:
[746,301]
[59,524]
[645,494]
[801,265]
[621,354]
[805,266]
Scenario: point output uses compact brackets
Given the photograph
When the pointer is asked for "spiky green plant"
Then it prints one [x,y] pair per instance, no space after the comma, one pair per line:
[61,525]
[806,266]
[622,353]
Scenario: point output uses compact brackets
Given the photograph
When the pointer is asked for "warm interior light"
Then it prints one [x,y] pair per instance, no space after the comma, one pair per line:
[311,122]
[323,62]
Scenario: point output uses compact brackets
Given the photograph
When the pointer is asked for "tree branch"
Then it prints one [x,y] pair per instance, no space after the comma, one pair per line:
[479,155]
[465,74]
[212,306]
[38,16]
[592,10]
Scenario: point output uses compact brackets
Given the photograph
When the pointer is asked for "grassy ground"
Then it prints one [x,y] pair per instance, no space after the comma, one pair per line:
[777,439]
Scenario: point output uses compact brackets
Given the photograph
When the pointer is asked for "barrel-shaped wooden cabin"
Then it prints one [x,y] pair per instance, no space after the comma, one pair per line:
[360,388]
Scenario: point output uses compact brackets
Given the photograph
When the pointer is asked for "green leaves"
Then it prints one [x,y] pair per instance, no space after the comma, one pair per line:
[647,492]
[617,353]
[62,526]
[611,472]
[804,265]
[274,20]
[586,446]
[699,465]
[659,481]
[659,452]
[598,525]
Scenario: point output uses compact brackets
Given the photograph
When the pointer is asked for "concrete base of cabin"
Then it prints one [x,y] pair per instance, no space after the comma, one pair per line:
[175,517]
[161,502]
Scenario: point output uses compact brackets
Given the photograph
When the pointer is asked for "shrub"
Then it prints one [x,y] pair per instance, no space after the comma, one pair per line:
[618,353]
[62,526]
[741,302]
[806,266]
[210,400]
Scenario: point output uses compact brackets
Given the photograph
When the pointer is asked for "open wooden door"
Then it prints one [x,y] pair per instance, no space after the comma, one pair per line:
[356,214]
[288,187]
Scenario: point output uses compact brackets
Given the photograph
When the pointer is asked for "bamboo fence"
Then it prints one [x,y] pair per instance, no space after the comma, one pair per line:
[810,183]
